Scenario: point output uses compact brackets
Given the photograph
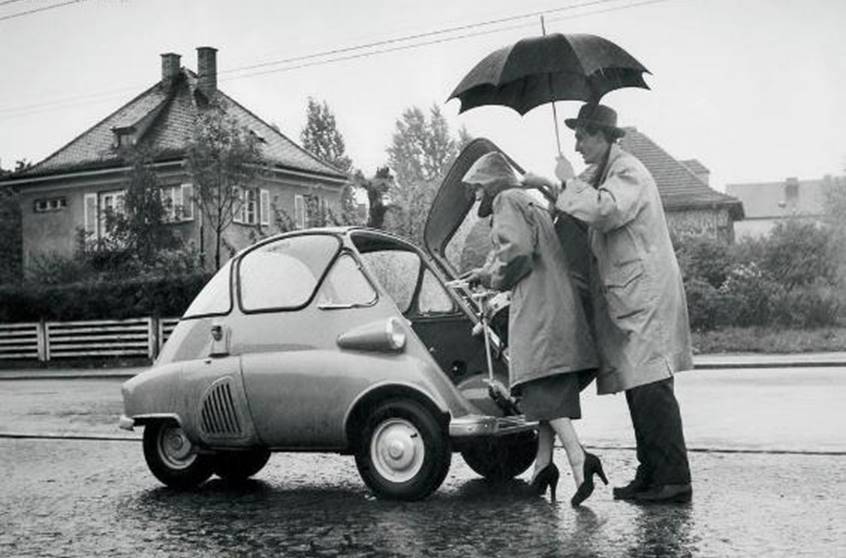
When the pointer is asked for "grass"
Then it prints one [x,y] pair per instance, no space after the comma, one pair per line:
[769,340]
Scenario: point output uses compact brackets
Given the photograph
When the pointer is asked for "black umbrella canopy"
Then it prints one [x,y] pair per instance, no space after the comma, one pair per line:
[556,67]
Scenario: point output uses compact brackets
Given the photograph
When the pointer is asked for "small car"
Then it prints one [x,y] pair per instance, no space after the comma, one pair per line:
[347,340]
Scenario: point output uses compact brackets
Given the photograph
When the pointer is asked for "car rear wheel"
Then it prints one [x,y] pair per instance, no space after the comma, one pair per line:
[404,453]
[239,465]
[502,458]
[172,458]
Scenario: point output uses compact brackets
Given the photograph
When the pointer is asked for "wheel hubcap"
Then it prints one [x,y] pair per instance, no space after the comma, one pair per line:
[175,448]
[397,450]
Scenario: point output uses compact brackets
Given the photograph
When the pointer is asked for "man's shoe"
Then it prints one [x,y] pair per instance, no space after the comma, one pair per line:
[629,491]
[666,493]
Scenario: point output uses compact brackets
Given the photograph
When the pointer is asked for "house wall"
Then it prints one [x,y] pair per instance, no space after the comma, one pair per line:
[716,224]
[55,232]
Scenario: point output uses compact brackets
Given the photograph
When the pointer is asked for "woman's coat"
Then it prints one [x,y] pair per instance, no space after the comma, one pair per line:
[548,331]
[640,310]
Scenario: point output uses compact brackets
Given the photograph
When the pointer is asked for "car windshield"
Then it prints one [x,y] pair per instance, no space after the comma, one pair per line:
[285,273]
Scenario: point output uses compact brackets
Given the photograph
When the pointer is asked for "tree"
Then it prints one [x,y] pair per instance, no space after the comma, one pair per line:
[10,229]
[142,229]
[322,138]
[221,156]
[420,154]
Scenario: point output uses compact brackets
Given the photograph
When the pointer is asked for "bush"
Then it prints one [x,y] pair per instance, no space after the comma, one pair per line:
[815,305]
[142,296]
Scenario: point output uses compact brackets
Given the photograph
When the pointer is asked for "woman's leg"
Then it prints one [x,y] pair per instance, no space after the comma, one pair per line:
[570,440]
[546,438]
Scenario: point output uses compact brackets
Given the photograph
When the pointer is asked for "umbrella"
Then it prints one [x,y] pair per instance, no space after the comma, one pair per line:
[555,67]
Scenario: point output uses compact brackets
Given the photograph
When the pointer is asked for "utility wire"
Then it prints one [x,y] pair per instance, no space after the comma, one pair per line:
[24,110]
[4,2]
[421,35]
[36,10]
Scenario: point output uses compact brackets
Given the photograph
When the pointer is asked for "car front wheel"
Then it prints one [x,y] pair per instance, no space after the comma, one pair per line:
[405,453]
[172,458]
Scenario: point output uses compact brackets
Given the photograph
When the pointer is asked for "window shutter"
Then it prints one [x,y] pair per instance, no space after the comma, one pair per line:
[90,213]
[120,202]
[237,204]
[299,211]
[188,202]
[264,206]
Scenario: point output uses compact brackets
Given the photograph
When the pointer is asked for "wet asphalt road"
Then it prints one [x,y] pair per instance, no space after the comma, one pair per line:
[86,498]
[95,497]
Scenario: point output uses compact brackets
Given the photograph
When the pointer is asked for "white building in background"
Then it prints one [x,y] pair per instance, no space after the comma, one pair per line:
[767,203]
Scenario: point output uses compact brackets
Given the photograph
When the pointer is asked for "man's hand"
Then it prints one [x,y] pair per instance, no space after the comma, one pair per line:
[563,169]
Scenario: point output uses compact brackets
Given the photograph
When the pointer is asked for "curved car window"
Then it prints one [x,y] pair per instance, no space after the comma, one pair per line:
[215,297]
[346,285]
[433,297]
[284,274]
[396,271]
[470,244]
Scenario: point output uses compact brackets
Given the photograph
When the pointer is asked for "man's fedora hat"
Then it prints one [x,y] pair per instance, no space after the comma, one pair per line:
[600,116]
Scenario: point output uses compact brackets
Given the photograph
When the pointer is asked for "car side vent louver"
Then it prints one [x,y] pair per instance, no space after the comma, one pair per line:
[219,416]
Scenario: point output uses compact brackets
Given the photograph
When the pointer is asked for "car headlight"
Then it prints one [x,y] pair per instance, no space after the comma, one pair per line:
[384,335]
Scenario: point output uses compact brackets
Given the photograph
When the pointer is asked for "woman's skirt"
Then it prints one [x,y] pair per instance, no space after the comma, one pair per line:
[555,396]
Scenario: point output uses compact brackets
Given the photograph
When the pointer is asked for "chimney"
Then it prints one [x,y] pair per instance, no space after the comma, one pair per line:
[207,70]
[170,68]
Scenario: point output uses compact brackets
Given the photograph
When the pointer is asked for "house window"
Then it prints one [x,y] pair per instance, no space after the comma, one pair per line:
[97,206]
[252,206]
[49,204]
[178,202]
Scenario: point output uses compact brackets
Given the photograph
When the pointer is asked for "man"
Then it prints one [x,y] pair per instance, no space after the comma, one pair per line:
[640,312]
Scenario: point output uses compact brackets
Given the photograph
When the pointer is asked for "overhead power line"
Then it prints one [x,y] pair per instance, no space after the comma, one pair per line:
[36,10]
[331,56]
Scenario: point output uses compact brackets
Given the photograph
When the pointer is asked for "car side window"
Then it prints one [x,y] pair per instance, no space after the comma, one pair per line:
[284,274]
[396,271]
[433,297]
[214,298]
[346,285]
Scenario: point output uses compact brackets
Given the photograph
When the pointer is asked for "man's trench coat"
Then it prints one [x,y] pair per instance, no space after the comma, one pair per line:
[640,311]
[548,330]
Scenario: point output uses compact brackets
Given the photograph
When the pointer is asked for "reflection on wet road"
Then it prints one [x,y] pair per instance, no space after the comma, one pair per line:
[84,498]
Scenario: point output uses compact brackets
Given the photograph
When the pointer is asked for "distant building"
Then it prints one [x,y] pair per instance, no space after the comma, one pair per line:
[72,188]
[767,203]
[692,207]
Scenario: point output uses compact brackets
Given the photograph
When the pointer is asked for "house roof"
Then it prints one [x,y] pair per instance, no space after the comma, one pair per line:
[162,118]
[678,184]
[775,199]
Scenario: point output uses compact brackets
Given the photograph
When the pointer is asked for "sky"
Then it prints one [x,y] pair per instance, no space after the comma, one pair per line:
[754,89]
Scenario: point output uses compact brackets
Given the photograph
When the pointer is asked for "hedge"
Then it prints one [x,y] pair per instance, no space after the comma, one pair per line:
[129,298]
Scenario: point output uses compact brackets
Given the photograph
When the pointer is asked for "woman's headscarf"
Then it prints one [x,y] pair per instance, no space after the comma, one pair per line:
[494,174]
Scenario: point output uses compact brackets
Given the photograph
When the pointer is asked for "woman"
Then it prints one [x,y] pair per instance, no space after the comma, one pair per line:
[551,346]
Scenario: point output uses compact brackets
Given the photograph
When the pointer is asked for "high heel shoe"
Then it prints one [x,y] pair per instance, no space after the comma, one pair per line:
[592,466]
[548,476]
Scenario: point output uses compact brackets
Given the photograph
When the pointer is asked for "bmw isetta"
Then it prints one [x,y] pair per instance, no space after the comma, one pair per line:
[347,340]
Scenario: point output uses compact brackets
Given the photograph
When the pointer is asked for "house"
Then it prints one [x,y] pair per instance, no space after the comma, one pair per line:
[767,203]
[691,206]
[73,188]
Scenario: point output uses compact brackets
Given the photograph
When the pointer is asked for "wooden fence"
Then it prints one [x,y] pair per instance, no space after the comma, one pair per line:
[138,337]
